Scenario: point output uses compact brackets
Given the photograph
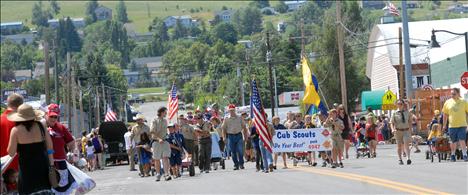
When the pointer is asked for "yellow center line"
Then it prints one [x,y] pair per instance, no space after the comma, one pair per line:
[376,181]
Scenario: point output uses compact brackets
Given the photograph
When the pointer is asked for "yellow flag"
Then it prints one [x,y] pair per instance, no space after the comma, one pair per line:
[310,94]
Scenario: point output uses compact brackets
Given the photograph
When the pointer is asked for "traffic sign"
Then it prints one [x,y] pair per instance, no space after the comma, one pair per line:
[464,80]
[388,101]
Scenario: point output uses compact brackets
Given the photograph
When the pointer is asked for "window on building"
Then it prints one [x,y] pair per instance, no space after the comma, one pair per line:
[420,81]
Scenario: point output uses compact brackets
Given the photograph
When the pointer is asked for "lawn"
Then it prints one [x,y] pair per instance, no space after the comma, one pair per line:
[146,90]
[141,13]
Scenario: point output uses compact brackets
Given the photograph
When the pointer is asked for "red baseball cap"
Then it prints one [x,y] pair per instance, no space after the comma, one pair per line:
[53,110]
[232,107]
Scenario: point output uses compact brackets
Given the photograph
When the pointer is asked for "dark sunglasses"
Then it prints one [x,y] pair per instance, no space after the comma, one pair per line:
[53,116]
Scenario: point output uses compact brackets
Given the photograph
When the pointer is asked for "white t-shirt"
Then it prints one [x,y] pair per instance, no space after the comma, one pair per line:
[89,150]
[128,141]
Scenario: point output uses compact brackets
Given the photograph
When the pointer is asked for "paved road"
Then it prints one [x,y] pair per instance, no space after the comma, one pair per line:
[381,175]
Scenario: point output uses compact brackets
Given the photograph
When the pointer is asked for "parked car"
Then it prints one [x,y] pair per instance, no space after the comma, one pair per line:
[114,144]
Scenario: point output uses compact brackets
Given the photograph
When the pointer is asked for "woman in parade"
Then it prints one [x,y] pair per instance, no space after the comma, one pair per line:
[343,116]
[34,146]
[61,139]
[278,126]
[371,136]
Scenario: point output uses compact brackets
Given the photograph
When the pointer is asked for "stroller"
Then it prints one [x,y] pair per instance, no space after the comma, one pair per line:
[362,146]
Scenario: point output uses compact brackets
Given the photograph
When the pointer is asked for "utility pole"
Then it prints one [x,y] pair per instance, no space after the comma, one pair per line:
[46,71]
[340,40]
[75,130]
[408,65]
[80,100]
[302,38]
[104,97]
[98,113]
[56,83]
[270,72]
[400,69]
[276,90]
[68,91]
[239,75]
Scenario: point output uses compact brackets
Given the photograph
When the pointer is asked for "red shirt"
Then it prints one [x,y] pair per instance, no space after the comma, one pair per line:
[5,129]
[371,131]
[60,137]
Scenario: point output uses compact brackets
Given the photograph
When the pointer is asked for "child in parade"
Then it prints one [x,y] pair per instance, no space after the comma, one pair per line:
[371,136]
[145,150]
[336,126]
[176,142]
[308,124]
[10,182]
[216,154]
[90,157]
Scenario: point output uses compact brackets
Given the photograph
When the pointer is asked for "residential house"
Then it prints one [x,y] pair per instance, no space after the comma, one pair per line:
[18,38]
[439,67]
[103,13]
[281,27]
[39,70]
[22,75]
[413,4]
[458,8]
[153,63]
[185,20]
[132,77]
[371,4]
[225,15]
[77,22]
[11,27]
[294,5]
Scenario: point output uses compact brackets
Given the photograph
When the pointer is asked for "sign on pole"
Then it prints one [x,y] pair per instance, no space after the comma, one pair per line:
[464,80]
[388,101]
[300,140]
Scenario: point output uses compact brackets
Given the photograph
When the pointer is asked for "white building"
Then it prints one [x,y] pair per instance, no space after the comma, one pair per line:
[186,21]
[225,15]
[383,54]
[294,5]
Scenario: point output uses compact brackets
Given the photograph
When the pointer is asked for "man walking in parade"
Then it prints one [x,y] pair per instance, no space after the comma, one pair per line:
[161,148]
[234,128]
[455,110]
[189,138]
[13,102]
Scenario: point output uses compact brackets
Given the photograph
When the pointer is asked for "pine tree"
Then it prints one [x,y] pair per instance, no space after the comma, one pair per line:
[55,7]
[179,30]
[122,12]
[90,11]
[39,16]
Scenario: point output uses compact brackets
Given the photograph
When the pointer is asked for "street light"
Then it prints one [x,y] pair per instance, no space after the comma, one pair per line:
[435,44]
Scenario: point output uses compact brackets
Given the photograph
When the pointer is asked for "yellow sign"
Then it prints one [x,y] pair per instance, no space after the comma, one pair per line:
[388,101]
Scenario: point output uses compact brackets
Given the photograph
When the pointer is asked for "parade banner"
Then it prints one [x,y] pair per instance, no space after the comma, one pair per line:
[299,140]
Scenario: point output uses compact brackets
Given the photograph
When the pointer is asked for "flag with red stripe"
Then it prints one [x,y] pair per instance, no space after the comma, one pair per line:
[392,9]
[110,115]
[259,117]
[173,102]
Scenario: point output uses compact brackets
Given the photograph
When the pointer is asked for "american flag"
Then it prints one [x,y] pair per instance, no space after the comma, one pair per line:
[110,115]
[393,10]
[259,117]
[173,102]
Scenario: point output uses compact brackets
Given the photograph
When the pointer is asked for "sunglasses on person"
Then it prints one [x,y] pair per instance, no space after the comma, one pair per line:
[53,117]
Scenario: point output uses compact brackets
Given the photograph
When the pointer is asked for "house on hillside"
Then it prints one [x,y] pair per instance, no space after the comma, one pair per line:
[372,4]
[103,13]
[23,75]
[185,20]
[19,38]
[294,5]
[77,22]
[225,15]
[458,8]
[153,63]
[132,77]
[439,67]
[12,26]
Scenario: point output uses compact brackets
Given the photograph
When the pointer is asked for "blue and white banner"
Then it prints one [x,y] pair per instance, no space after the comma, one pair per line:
[300,140]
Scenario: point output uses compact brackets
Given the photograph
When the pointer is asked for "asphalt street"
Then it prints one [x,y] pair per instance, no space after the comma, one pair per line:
[381,175]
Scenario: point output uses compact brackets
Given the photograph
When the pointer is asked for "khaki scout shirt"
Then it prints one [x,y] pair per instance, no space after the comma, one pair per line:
[158,129]
[336,127]
[205,128]
[233,125]
[137,130]
[187,132]
[397,120]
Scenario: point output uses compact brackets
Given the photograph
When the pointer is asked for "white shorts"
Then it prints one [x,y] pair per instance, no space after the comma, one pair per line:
[161,150]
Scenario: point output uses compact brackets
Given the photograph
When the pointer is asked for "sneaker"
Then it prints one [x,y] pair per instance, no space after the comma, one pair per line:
[274,167]
[408,162]
[452,158]
[167,178]
[242,167]
[314,164]
[347,156]
[341,165]
[324,164]
[158,177]
[333,166]
[271,168]
[236,168]
[417,151]
[207,171]
[400,162]
[465,158]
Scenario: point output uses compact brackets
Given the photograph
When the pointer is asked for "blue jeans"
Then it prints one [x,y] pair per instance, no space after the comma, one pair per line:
[266,156]
[236,144]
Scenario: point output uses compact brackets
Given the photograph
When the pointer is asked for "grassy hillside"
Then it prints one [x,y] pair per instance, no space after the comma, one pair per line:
[137,10]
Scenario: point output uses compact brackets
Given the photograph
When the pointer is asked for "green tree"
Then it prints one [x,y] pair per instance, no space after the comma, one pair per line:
[226,32]
[159,27]
[39,15]
[179,30]
[55,7]
[122,12]
[281,7]
[90,13]
[67,37]
[248,20]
